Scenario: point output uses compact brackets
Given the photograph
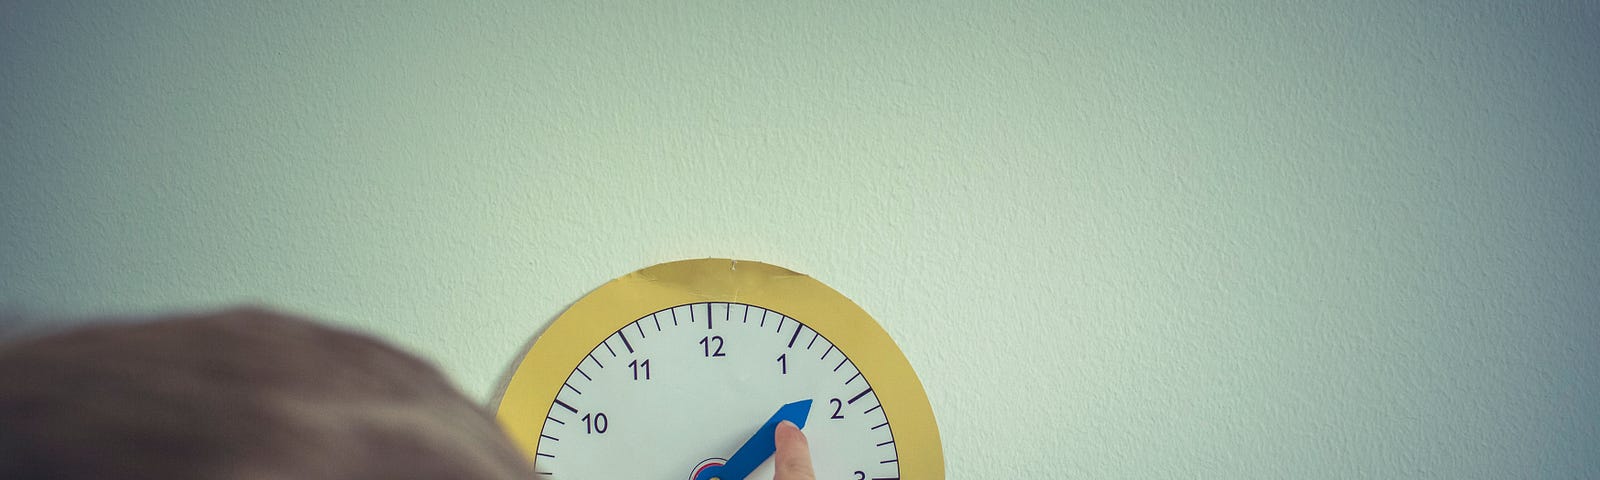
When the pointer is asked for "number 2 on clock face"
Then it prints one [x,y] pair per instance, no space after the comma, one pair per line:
[687,385]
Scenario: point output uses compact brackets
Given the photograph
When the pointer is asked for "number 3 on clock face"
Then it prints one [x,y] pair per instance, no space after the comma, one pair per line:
[618,389]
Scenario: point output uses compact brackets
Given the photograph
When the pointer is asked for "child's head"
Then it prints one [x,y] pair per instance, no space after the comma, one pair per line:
[241,394]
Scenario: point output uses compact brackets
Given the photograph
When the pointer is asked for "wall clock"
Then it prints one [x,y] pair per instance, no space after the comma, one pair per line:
[681,371]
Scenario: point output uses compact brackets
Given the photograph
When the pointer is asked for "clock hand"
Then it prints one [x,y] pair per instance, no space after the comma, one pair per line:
[759,446]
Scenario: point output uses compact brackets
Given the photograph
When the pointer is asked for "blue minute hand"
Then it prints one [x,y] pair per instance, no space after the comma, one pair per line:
[759,446]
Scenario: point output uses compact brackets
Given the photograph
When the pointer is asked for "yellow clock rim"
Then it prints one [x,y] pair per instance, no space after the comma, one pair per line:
[619,302]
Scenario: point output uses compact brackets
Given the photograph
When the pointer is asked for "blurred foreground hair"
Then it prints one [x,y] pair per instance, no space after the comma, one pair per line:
[245,394]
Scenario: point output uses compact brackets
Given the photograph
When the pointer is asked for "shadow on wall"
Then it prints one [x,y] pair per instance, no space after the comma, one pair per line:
[510,369]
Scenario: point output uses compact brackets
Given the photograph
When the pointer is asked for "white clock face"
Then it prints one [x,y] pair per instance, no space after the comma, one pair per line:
[686,386]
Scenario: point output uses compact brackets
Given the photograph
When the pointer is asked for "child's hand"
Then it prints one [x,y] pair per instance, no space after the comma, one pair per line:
[793,458]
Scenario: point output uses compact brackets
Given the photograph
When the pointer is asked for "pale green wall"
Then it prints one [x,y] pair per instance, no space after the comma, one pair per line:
[1122,240]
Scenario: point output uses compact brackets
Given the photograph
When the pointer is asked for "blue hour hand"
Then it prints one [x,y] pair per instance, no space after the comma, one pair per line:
[759,446]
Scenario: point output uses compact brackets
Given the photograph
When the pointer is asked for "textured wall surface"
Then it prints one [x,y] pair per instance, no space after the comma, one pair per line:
[1117,240]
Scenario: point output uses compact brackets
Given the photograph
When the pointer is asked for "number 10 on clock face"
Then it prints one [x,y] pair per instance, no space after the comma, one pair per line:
[684,387]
